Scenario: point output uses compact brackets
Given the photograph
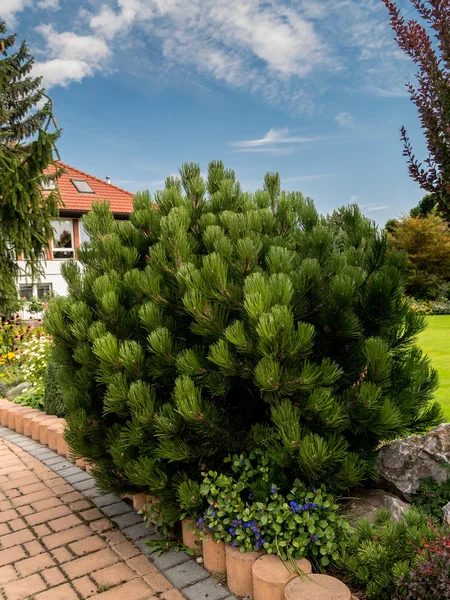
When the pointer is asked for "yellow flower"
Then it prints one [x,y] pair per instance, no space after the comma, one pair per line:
[2,375]
[10,355]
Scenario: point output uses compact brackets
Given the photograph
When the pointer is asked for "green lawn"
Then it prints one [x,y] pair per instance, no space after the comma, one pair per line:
[435,340]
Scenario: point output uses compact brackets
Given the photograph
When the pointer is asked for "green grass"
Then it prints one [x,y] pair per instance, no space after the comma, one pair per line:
[435,341]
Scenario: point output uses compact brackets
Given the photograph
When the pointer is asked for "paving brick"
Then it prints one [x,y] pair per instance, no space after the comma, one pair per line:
[105,500]
[62,592]
[83,505]
[16,538]
[64,522]
[34,564]
[127,520]
[34,548]
[100,525]
[24,588]
[8,515]
[114,575]
[114,510]
[30,498]
[157,581]
[143,546]
[62,555]
[91,492]
[186,574]
[5,505]
[42,530]
[126,550]
[172,594]
[170,559]
[206,590]
[114,537]
[137,532]
[4,529]
[87,545]
[91,562]
[53,576]
[71,497]
[17,524]
[47,503]
[31,488]
[25,510]
[66,537]
[85,587]
[133,590]
[141,565]
[44,516]
[7,574]
[78,475]
[59,490]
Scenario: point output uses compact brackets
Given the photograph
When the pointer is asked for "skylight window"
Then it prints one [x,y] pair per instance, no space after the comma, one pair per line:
[47,184]
[82,186]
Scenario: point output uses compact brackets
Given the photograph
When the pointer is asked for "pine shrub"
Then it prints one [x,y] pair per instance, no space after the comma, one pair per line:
[53,400]
[215,321]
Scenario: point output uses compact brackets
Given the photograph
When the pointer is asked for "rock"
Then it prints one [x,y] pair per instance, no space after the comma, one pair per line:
[367,502]
[446,513]
[15,391]
[402,464]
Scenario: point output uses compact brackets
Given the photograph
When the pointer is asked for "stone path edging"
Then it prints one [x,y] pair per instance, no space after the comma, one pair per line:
[183,572]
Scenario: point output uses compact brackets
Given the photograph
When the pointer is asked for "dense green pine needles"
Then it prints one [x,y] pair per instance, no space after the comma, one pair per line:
[216,321]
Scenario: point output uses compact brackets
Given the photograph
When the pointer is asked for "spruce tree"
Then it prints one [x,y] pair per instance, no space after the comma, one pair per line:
[216,321]
[26,152]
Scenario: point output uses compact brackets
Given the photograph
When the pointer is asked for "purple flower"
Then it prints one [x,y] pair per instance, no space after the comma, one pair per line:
[324,508]
[314,506]
[233,544]
[214,513]
[250,495]
[232,531]
[273,490]
[313,488]
[263,542]
[305,507]
[243,460]
[315,537]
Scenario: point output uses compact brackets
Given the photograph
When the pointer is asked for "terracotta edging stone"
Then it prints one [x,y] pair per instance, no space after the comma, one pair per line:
[317,587]
[239,570]
[191,539]
[140,501]
[4,413]
[52,434]
[36,425]
[43,429]
[61,444]
[271,574]
[214,555]
[12,412]
[19,419]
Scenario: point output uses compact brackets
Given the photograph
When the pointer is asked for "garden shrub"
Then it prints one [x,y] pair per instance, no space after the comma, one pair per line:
[53,400]
[379,555]
[215,321]
[430,579]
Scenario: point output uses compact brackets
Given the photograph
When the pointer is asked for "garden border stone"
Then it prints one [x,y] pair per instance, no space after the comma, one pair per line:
[190,578]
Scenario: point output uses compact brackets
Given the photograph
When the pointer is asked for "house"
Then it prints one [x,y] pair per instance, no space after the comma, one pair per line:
[78,191]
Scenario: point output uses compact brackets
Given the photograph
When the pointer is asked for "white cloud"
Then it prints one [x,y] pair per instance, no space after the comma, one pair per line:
[9,9]
[345,119]
[353,199]
[71,57]
[271,141]
[49,4]
[373,207]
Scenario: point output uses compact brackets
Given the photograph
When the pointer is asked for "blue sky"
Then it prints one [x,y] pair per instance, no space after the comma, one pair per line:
[313,89]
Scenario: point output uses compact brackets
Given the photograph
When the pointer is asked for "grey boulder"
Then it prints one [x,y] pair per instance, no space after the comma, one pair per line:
[15,391]
[367,503]
[402,464]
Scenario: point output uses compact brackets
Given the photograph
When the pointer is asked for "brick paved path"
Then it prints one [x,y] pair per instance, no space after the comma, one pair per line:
[56,545]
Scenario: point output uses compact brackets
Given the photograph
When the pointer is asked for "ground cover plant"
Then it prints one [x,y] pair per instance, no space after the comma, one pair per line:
[248,511]
[216,321]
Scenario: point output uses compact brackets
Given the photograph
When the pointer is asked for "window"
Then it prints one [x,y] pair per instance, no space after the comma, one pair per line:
[44,290]
[63,239]
[47,184]
[82,186]
[84,236]
[26,291]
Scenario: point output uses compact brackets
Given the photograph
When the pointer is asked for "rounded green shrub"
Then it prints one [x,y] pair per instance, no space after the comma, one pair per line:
[53,400]
[216,321]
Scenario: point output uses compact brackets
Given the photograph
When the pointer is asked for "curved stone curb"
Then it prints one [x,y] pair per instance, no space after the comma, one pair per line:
[185,574]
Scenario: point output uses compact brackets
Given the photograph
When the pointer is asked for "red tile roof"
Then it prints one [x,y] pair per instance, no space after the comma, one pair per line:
[120,200]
